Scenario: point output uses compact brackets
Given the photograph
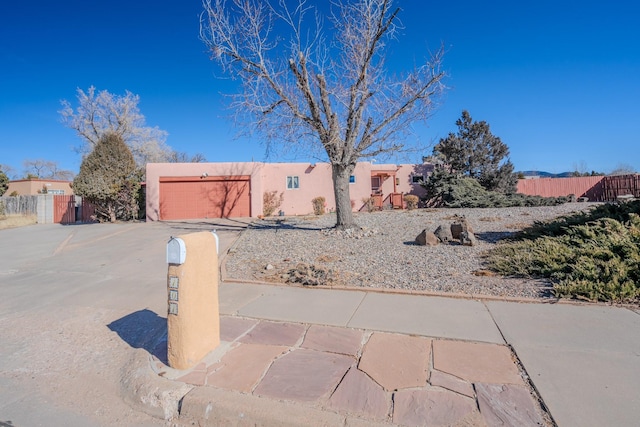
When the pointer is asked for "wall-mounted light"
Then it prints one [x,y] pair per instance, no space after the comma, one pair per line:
[204,175]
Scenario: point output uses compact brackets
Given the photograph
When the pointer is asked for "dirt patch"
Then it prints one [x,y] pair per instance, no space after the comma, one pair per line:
[13,221]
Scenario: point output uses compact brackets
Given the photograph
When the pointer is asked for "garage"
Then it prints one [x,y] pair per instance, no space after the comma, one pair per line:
[205,197]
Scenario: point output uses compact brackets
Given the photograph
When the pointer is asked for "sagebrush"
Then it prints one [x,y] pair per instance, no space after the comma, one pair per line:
[271,201]
[319,204]
[411,201]
[369,203]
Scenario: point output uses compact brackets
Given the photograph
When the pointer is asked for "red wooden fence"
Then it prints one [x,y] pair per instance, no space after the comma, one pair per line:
[65,210]
[595,188]
[621,185]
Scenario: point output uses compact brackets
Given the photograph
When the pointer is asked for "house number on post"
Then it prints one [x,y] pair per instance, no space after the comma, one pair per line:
[173,295]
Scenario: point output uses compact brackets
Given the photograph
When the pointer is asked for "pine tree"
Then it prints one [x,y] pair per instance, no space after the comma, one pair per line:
[475,152]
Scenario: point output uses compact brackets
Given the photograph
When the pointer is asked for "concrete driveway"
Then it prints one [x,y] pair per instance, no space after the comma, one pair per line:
[65,291]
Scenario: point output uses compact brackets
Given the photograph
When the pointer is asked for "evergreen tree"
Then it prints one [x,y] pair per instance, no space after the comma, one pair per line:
[475,152]
[108,179]
[4,182]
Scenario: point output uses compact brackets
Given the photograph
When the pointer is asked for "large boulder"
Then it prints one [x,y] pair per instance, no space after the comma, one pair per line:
[427,238]
[467,238]
[459,226]
[443,232]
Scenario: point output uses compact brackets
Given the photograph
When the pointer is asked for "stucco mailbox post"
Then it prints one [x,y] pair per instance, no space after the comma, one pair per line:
[193,320]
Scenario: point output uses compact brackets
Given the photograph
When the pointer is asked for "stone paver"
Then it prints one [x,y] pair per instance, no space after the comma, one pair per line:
[304,375]
[243,367]
[507,405]
[433,408]
[333,339]
[232,328]
[448,381]
[368,377]
[396,361]
[274,333]
[476,362]
[195,377]
[359,394]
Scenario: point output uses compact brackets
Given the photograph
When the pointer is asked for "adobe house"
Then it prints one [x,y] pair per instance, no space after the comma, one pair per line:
[32,187]
[213,190]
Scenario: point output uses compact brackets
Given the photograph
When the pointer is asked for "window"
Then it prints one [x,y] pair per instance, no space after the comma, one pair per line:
[352,179]
[417,179]
[293,182]
[375,183]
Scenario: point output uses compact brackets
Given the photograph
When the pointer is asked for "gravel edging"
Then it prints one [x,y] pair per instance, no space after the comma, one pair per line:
[383,256]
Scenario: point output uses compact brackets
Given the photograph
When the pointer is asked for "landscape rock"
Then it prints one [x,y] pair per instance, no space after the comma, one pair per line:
[427,238]
[467,238]
[443,232]
[459,226]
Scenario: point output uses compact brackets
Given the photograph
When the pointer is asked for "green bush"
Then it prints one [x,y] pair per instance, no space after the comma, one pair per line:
[593,256]
[445,189]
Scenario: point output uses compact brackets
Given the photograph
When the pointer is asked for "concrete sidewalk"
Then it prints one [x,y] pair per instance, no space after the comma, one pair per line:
[294,356]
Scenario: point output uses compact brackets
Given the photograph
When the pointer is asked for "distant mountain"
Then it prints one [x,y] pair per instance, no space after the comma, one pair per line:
[546,174]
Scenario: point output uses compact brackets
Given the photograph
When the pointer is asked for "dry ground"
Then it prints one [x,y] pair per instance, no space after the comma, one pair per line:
[12,221]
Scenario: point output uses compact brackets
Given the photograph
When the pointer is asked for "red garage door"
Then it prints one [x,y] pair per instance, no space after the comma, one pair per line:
[211,197]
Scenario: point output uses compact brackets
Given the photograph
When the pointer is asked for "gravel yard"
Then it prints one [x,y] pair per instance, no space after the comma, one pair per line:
[384,255]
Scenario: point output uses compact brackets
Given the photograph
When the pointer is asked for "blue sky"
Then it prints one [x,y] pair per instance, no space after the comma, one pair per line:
[558,81]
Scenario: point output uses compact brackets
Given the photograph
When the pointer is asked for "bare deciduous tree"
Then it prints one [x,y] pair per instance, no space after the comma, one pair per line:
[99,113]
[45,169]
[182,157]
[324,91]
[623,169]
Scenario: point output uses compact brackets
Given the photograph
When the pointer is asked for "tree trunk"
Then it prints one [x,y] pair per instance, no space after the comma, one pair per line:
[344,215]
[112,212]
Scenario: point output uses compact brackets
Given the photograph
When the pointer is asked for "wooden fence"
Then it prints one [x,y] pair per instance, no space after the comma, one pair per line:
[621,185]
[595,188]
[19,205]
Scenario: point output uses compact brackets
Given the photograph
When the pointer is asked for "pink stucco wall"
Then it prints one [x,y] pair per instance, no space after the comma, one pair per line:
[314,180]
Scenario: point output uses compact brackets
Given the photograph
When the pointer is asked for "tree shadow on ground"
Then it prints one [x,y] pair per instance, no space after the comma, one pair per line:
[219,224]
[493,236]
[283,224]
[143,329]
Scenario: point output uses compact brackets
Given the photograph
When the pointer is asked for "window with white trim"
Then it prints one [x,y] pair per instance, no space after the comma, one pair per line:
[293,182]
[417,179]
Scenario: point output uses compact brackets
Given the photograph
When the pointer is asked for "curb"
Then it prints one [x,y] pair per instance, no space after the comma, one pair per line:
[146,391]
